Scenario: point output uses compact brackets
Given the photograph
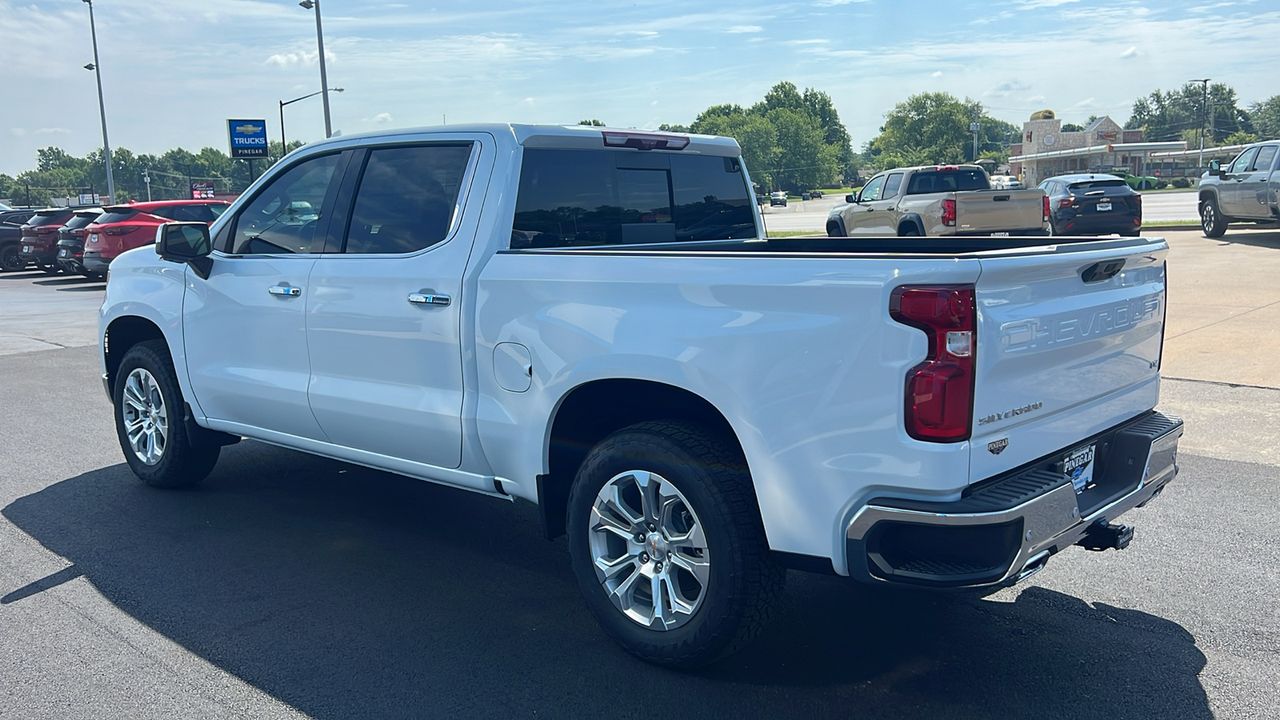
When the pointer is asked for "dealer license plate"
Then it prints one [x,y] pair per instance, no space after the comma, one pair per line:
[1078,467]
[1104,207]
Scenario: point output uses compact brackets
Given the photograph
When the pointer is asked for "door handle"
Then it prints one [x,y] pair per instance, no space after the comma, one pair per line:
[285,290]
[424,298]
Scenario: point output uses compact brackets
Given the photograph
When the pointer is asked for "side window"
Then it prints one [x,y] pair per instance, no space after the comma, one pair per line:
[872,190]
[1265,156]
[891,186]
[1243,160]
[284,216]
[406,198]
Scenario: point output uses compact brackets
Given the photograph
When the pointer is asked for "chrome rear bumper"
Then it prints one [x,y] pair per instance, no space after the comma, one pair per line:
[1014,523]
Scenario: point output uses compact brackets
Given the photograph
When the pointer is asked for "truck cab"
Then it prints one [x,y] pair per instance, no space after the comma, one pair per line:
[1244,190]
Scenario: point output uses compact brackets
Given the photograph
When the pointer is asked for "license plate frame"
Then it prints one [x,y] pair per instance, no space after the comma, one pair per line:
[1000,233]
[1103,207]
[1078,466]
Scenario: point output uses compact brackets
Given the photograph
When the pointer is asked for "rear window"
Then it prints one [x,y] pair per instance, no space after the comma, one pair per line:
[576,198]
[923,183]
[194,212]
[80,220]
[52,218]
[1098,184]
[116,215]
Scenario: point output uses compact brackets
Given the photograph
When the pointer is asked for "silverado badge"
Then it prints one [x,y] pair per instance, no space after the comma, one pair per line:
[995,447]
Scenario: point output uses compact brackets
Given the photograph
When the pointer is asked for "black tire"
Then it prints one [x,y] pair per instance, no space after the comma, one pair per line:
[835,228]
[181,464]
[11,258]
[1212,221]
[744,580]
[909,230]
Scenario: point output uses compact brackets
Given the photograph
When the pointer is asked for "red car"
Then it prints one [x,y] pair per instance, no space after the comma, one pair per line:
[40,239]
[125,227]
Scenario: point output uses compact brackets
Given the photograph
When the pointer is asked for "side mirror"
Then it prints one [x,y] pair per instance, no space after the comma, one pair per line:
[851,199]
[186,242]
[1215,168]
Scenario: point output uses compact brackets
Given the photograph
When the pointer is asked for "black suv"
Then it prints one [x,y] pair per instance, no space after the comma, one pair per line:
[11,222]
[1090,204]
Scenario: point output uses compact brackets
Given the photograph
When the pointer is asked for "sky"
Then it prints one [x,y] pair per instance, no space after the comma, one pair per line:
[173,71]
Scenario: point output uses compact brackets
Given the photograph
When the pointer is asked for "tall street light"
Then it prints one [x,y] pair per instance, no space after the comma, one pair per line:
[1204,108]
[283,144]
[102,108]
[324,79]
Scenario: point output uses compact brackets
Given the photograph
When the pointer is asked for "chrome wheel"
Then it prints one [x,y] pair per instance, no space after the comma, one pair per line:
[146,420]
[649,550]
[1207,219]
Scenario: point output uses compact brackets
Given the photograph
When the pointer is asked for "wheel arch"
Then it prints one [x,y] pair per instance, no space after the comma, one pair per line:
[595,409]
[123,333]
[912,220]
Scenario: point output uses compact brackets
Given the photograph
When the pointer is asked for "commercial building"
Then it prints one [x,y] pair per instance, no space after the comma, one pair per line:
[1046,150]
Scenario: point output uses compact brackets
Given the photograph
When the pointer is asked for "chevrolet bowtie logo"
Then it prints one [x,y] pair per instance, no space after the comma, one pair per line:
[247,128]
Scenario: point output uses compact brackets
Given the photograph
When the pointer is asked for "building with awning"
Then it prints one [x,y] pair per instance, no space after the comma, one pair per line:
[1103,146]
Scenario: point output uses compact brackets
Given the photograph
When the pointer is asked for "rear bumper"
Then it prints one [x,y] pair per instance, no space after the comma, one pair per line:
[1007,528]
[38,254]
[95,263]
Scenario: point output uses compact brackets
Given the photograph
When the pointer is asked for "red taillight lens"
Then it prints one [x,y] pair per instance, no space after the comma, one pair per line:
[118,230]
[1063,203]
[939,402]
[949,212]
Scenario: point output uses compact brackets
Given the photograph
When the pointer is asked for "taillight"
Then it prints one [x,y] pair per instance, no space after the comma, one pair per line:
[1044,208]
[118,230]
[939,391]
[1063,203]
[949,212]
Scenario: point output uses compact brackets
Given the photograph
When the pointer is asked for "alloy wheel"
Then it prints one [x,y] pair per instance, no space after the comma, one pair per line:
[146,419]
[649,550]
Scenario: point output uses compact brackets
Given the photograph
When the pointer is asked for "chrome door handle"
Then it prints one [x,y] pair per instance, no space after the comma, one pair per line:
[285,290]
[429,299]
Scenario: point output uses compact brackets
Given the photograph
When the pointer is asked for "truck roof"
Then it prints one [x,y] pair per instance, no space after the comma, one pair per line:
[581,136]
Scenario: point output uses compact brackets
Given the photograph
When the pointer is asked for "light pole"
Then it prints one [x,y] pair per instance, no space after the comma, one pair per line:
[102,108]
[1204,107]
[324,79]
[283,144]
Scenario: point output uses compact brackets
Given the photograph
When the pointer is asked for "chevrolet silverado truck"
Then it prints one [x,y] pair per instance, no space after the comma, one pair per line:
[1246,190]
[938,200]
[593,321]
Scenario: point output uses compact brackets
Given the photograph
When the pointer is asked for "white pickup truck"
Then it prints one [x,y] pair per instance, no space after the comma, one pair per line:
[591,320]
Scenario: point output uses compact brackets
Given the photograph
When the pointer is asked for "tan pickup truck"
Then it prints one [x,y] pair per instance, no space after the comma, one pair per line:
[939,200]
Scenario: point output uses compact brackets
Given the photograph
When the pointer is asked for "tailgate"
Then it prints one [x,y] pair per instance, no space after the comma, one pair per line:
[999,210]
[1068,345]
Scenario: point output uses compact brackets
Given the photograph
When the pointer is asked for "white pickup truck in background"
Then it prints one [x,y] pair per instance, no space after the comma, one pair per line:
[591,320]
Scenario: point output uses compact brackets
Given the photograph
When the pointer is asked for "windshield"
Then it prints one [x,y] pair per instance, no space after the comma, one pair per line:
[1098,184]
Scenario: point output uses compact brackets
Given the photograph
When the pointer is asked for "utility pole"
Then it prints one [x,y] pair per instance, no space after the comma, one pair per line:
[102,108]
[1204,109]
[324,78]
[146,180]
[973,127]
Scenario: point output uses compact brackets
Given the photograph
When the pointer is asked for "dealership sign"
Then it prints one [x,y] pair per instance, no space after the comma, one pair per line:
[201,190]
[248,138]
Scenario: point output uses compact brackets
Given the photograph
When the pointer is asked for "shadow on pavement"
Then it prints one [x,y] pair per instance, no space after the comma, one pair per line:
[22,275]
[75,280]
[1256,239]
[97,285]
[346,592]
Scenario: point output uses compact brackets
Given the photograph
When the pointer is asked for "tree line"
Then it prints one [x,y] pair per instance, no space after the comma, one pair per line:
[791,139]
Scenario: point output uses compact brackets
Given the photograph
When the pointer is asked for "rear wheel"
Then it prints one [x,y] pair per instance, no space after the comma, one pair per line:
[909,231]
[49,269]
[667,545]
[1211,219]
[11,258]
[150,424]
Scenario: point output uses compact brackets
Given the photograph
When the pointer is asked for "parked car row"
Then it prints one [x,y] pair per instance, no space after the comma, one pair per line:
[84,240]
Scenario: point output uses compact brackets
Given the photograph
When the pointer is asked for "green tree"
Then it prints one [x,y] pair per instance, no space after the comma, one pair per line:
[756,136]
[1165,115]
[807,160]
[667,127]
[592,122]
[930,127]
[1265,116]
[1072,127]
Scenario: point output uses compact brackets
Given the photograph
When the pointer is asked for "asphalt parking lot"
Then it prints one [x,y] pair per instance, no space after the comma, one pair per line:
[290,586]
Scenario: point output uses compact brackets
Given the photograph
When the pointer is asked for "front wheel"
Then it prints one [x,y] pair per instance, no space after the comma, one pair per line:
[667,546]
[11,258]
[1211,219]
[149,421]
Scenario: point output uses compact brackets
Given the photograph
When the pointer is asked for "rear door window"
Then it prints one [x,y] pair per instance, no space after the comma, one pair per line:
[574,198]
[891,185]
[407,198]
[1265,157]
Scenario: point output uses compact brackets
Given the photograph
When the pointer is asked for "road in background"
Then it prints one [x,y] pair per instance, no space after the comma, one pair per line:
[811,215]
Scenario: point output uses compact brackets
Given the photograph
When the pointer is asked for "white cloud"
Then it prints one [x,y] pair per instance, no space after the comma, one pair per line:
[1038,4]
[52,131]
[1007,88]
[742,29]
[382,118]
[299,58]
[808,41]
[1131,52]
[936,74]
